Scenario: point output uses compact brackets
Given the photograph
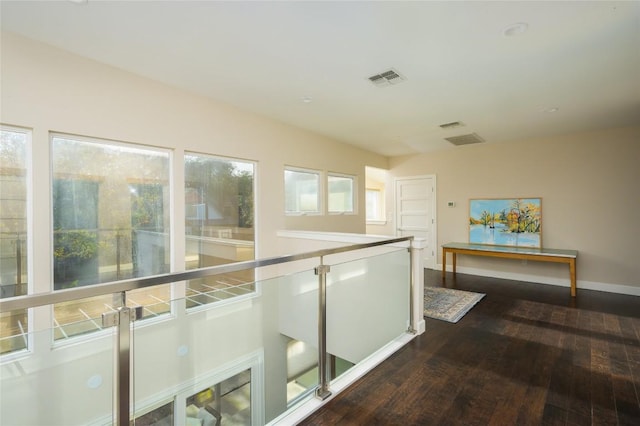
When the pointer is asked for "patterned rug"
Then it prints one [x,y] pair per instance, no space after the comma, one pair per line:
[447,304]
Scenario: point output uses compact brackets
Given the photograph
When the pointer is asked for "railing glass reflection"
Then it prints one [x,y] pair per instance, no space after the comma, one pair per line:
[69,385]
[248,358]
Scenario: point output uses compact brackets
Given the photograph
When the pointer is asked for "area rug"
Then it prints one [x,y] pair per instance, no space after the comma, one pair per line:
[447,304]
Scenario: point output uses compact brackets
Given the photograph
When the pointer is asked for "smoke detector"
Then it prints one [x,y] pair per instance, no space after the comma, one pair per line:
[465,139]
[387,78]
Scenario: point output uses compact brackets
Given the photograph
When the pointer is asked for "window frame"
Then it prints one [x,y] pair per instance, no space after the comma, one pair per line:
[354,192]
[28,241]
[319,195]
[130,148]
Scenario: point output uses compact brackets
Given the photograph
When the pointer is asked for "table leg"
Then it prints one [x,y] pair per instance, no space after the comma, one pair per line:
[444,262]
[453,262]
[572,272]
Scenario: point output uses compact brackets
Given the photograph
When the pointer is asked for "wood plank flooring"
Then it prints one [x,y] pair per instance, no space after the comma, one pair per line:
[527,354]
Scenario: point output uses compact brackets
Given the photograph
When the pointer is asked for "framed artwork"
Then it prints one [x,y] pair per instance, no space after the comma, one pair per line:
[506,222]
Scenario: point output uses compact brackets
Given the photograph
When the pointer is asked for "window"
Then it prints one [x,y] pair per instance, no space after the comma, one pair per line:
[219,216]
[162,415]
[110,222]
[375,205]
[302,191]
[13,234]
[341,193]
[227,402]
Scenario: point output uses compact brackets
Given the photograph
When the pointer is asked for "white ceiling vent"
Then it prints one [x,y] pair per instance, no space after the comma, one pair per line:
[387,78]
[465,139]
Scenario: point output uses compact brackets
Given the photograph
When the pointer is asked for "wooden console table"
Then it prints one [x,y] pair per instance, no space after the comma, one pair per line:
[524,253]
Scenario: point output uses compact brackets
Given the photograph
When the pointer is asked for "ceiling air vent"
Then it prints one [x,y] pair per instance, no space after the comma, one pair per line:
[451,125]
[386,78]
[465,139]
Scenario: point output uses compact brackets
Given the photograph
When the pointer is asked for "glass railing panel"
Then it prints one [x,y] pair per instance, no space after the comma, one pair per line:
[156,300]
[70,385]
[79,317]
[13,328]
[298,323]
[233,360]
[220,287]
[246,358]
[367,306]
[83,316]
[13,282]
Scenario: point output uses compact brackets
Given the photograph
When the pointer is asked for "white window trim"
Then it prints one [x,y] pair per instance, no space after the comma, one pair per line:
[354,192]
[30,241]
[321,191]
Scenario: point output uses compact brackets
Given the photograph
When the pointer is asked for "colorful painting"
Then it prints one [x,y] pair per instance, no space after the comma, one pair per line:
[506,222]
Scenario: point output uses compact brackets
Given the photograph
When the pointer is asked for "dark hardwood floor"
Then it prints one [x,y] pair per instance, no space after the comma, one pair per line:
[526,354]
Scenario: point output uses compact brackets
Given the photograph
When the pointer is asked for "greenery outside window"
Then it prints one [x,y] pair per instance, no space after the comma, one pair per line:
[219,225]
[110,222]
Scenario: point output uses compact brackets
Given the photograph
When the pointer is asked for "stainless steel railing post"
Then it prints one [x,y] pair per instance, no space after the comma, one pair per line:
[412,252]
[122,374]
[322,391]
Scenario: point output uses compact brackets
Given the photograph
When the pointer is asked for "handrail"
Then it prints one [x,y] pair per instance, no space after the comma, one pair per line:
[67,295]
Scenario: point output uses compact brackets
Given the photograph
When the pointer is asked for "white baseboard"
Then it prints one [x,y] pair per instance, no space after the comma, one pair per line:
[581,284]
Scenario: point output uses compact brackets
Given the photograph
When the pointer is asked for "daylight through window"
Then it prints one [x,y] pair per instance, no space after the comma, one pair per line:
[13,235]
[110,222]
[302,191]
[219,225]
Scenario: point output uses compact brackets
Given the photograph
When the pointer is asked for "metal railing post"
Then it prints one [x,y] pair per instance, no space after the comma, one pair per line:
[123,373]
[411,329]
[322,391]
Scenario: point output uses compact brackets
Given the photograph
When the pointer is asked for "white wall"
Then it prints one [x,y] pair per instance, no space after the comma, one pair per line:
[589,185]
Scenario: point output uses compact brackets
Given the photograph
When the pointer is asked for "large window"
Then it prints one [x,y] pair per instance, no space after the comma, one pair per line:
[13,234]
[302,191]
[110,222]
[219,225]
[341,190]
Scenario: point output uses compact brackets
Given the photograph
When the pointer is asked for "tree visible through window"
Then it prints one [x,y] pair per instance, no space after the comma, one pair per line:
[219,216]
[110,220]
[75,235]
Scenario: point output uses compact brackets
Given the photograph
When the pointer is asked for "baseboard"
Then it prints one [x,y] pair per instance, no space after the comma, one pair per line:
[581,284]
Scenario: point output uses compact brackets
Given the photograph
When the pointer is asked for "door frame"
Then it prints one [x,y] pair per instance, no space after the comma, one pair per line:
[430,259]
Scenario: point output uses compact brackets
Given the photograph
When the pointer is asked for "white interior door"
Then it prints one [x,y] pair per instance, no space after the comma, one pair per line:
[415,213]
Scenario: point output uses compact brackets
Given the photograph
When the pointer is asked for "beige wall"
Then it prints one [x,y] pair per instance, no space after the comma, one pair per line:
[46,89]
[590,189]
[588,182]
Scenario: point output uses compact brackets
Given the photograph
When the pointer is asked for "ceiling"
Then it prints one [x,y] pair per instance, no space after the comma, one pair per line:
[576,67]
